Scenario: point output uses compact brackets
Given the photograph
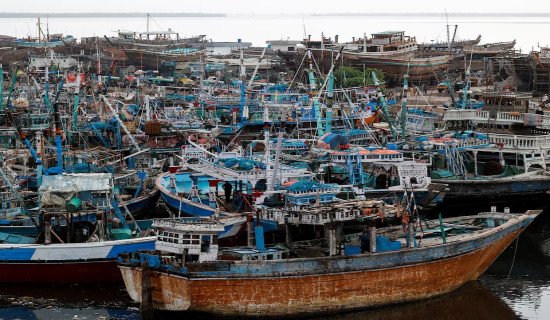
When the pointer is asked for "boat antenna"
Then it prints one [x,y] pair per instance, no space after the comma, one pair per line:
[448,33]
[148,16]
[404,101]
[47,28]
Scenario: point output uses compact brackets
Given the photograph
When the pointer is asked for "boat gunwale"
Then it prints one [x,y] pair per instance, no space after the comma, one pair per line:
[520,221]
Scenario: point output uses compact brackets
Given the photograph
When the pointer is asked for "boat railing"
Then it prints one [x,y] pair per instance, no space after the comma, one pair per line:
[503,94]
[451,115]
[480,115]
[507,116]
[188,224]
[314,218]
[521,142]
[343,158]
[320,191]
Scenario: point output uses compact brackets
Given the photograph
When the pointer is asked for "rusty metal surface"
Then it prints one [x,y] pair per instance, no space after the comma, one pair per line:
[298,295]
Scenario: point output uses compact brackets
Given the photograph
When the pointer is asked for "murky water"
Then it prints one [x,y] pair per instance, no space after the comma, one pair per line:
[521,291]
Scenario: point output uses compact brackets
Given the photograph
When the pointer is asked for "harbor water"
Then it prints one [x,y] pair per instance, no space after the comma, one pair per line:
[516,286]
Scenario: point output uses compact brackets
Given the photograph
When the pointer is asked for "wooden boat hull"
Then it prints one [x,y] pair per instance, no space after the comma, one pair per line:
[419,69]
[496,190]
[66,262]
[374,280]
[103,271]
[153,59]
[393,65]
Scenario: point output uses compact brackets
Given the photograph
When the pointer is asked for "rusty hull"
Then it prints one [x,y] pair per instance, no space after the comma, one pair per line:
[279,296]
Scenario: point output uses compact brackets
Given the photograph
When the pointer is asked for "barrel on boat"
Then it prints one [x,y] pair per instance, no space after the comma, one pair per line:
[73,205]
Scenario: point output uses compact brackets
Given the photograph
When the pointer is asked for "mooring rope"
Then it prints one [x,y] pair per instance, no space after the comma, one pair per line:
[513,260]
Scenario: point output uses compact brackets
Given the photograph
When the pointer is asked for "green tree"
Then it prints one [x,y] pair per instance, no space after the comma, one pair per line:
[346,77]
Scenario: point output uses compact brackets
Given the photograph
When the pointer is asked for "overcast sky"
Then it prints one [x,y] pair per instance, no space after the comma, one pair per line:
[275,7]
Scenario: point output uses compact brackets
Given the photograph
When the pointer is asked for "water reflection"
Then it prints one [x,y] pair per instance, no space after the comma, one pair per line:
[66,313]
[471,301]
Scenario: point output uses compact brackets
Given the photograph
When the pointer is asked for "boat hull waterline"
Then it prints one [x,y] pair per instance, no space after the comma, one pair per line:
[336,284]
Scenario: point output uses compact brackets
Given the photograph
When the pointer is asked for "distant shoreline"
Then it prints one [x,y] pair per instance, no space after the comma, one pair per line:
[200,14]
[104,15]
[437,14]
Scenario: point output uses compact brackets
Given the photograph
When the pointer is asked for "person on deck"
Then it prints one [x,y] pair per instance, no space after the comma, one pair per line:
[227,187]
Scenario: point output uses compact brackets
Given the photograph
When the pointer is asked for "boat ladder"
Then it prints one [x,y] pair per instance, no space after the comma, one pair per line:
[455,161]
[355,169]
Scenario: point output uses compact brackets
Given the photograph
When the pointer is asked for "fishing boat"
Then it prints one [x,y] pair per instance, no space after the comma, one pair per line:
[82,231]
[150,58]
[389,51]
[489,49]
[189,273]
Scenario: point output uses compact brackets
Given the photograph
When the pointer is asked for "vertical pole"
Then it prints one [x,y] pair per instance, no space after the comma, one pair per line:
[475,163]
[410,230]
[100,230]
[288,234]
[332,239]
[38,137]
[371,229]
[278,150]
[47,229]
[250,228]
[75,110]
[1,89]
[442,229]
[404,103]
[146,307]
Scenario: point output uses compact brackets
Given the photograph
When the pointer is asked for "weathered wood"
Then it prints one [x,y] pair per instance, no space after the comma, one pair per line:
[371,229]
[146,307]
[410,230]
[47,229]
[250,234]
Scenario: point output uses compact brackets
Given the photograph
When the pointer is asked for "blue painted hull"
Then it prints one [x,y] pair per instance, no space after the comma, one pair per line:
[185,207]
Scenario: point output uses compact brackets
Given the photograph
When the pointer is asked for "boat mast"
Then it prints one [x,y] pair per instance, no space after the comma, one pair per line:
[330,94]
[448,33]
[257,67]
[384,105]
[404,101]
[1,89]
[313,88]
[147,31]
[278,150]
[76,101]
[39,31]
[47,29]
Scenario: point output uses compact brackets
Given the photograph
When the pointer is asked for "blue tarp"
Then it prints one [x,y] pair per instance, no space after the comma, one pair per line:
[241,164]
[307,186]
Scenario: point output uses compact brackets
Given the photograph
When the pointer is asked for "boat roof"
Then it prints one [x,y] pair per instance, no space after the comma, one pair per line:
[387,33]
[75,182]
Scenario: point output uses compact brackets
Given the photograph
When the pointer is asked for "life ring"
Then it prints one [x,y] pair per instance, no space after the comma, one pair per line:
[500,145]
[71,77]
